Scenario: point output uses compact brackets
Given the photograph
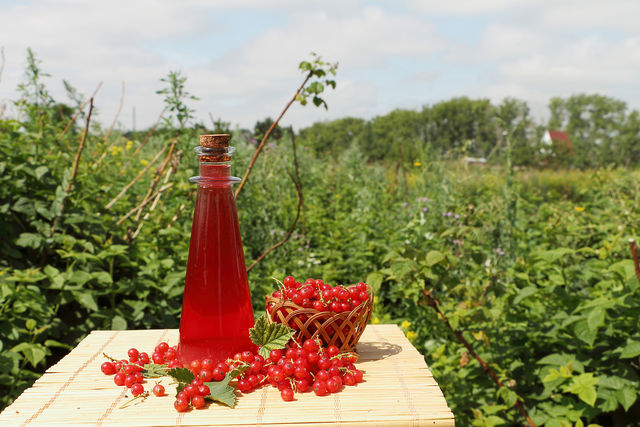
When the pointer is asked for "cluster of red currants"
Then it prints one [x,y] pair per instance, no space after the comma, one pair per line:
[300,369]
[316,294]
[128,373]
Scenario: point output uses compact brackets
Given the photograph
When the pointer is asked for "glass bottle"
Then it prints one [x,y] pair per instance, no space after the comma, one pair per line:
[216,309]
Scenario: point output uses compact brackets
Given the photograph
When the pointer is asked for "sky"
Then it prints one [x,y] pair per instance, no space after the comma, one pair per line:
[241,57]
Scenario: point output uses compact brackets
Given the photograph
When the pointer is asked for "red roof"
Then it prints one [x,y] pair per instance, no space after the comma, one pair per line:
[557,135]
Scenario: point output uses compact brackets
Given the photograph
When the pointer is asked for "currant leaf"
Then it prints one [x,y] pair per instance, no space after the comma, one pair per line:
[269,336]
[153,370]
[182,375]
[221,391]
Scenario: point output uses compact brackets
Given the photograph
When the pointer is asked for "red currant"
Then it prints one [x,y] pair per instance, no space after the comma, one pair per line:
[320,388]
[197,402]
[119,378]
[181,405]
[204,390]
[158,390]
[247,357]
[289,282]
[170,354]
[133,355]
[287,394]
[137,389]
[162,347]
[332,385]
[195,365]
[302,385]
[208,364]
[217,374]
[332,350]
[108,368]
[157,358]
[349,379]
[143,359]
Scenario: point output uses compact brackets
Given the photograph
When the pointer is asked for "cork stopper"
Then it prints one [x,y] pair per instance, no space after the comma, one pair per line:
[215,148]
[216,140]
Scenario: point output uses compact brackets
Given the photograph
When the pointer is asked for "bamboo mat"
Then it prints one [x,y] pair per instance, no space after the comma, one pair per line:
[398,389]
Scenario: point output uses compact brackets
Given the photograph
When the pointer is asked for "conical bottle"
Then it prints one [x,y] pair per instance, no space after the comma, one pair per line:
[216,309]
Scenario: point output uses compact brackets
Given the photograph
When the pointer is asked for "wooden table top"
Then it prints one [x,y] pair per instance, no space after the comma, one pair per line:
[398,389]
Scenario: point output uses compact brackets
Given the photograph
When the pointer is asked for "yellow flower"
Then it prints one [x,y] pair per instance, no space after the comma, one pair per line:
[375,321]
[116,150]
[579,208]
[128,145]
[143,162]
[417,164]
[411,335]
[376,299]
[405,324]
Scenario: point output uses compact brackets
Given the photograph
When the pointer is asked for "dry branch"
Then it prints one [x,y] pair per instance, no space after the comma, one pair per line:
[134,180]
[115,119]
[431,302]
[75,116]
[76,162]
[268,133]
[159,173]
[298,185]
[144,203]
[634,253]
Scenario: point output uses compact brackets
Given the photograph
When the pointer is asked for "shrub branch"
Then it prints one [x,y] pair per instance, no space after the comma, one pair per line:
[634,253]
[431,302]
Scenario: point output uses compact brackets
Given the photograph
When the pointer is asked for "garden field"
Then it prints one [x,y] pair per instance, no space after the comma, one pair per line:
[528,272]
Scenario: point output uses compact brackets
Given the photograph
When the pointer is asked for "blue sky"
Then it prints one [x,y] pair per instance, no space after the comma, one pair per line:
[241,56]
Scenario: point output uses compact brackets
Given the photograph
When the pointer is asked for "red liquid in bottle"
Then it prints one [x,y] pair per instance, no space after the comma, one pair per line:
[216,310]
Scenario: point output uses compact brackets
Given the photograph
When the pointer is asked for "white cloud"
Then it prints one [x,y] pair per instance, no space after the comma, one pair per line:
[388,55]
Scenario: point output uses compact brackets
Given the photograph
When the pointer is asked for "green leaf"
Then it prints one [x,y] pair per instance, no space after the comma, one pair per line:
[507,395]
[595,319]
[29,240]
[87,300]
[524,293]
[434,257]
[182,375]
[632,349]
[583,332]
[221,391]
[584,386]
[626,397]
[118,323]
[30,324]
[40,171]
[34,353]
[269,336]
[154,370]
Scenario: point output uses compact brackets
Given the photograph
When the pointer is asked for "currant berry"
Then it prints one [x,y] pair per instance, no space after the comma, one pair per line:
[204,390]
[108,368]
[137,389]
[332,385]
[139,377]
[303,385]
[119,378]
[310,345]
[332,350]
[244,386]
[358,375]
[191,390]
[181,405]
[208,364]
[162,347]
[322,375]
[197,402]
[320,388]
[275,355]
[223,366]
[289,281]
[217,374]
[247,357]
[287,394]
[157,358]
[133,355]
[170,354]
[129,380]
[349,379]
[158,390]
[143,359]
[195,365]
[205,375]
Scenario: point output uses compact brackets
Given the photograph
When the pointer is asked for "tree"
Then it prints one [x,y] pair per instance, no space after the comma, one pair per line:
[593,123]
[332,136]
[462,125]
[394,136]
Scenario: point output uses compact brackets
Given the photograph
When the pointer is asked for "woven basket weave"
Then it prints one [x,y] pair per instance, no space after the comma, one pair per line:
[340,329]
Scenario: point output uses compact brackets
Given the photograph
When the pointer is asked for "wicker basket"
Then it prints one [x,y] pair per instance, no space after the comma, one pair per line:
[340,329]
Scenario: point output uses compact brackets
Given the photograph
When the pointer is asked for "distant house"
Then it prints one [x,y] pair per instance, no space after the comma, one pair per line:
[559,140]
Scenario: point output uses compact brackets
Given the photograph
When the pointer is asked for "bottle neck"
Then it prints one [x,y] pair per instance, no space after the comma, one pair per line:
[215,166]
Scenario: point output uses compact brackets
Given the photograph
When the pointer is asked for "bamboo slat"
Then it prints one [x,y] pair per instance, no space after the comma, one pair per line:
[398,390]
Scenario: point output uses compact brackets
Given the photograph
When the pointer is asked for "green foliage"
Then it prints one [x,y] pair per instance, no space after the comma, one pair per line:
[319,76]
[261,128]
[175,98]
[532,267]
